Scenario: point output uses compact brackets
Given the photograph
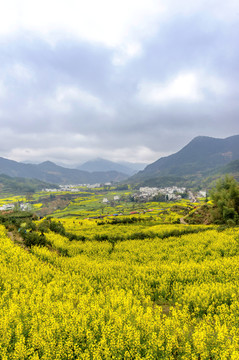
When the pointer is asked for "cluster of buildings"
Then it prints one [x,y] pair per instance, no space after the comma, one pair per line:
[168,193]
[7,207]
[22,207]
[75,188]
[105,200]
[71,188]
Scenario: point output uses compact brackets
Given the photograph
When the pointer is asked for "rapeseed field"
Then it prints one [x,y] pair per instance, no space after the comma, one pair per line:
[161,292]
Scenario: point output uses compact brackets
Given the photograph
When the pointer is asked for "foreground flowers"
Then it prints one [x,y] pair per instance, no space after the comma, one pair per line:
[171,298]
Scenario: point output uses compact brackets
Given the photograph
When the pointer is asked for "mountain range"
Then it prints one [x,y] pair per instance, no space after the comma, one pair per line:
[201,160]
[52,173]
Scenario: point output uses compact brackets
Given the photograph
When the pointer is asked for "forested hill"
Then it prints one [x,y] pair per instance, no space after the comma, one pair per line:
[20,185]
[200,155]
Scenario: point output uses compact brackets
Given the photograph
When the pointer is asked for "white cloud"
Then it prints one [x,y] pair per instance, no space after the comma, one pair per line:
[2,90]
[69,147]
[224,11]
[21,73]
[110,22]
[125,53]
[106,21]
[183,87]
[66,97]
[71,93]
[214,85]
[9,22]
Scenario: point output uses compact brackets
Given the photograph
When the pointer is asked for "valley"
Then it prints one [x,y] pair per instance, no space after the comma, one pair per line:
[119,270]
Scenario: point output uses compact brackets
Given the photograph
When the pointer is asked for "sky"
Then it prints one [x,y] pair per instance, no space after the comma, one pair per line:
[128,80]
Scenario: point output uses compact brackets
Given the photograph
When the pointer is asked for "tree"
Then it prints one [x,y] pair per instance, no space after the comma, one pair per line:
[225,197]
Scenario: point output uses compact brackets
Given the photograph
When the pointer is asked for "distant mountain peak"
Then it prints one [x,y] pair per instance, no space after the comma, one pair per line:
[47,162]
[100,164]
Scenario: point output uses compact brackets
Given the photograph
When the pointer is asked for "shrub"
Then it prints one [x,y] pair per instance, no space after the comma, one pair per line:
[57,227]
[101,237]
[33,238]
[225,197]
[72,237]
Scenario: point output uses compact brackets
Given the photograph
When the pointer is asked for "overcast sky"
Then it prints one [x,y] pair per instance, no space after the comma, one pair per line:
[128,80]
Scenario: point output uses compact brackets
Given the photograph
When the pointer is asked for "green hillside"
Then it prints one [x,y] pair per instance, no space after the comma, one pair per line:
[198,164]
[15,185]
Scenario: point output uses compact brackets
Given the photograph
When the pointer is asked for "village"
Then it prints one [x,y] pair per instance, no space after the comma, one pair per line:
[21,206]
[172,193]
[75,188]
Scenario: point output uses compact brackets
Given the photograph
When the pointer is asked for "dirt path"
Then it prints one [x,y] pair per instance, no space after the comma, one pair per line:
[182,221]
